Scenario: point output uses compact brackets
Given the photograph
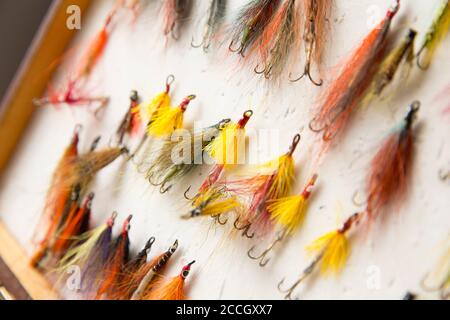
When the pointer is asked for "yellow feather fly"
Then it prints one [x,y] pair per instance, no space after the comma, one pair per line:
[289,212]
[229,145]
[169,119]
[160,101]
[333,247]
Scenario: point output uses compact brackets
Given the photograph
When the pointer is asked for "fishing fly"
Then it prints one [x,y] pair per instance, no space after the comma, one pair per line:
[90,253]
[386,184]
[176,12]
[273,181]
[160,102]
[436,33]
[400,56]
[172,289]
[250,24]
[116,262]
[288,213]
[226,150]
[317,14]
[331,252]
[345,93]
[131,122]
[216,15]
[279,38]
[180,155]
[145,275]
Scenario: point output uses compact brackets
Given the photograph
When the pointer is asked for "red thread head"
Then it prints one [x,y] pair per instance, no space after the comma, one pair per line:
[186,101]
[245,117]
[393,9]
[88,202]
[170,79]
[112,219]
[309,187]
[126,224]
[186,269]
[350,222]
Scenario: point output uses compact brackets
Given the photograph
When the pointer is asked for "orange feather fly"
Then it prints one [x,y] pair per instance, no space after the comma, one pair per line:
[171,290]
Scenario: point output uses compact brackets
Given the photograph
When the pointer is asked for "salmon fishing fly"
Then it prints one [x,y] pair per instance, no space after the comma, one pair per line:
[172,289]
[386,184]
[347,90]
[73,96]
[399,56]
[76,223]
[131,122]
[176,12]
[288,213]
[139,286]
[250,24]
[436,33]
[160,102]
[164,171]
[226,150]
[216,15]
[274,181]
[90,254]
[116,262]
[77,173]
[56,199]
[279,38]
[127,283]
[317,13]
[387,179]
[331,252]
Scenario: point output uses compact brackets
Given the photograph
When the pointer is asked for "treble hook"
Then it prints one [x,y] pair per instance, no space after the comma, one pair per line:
[149,178]
[239,50]
[162,188]
[307,72]
[262,256]
[309,269]
[186,196]
[288,291]
[245,229]
[217,218]
[418,62]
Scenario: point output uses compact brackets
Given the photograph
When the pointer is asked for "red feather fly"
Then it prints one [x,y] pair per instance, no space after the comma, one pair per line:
[131,122]
[344,94]
[116,263]
[389,170]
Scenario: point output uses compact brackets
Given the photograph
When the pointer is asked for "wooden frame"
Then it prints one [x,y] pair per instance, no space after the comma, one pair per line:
[15,114]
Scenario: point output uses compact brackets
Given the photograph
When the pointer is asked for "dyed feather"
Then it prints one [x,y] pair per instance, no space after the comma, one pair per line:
[387,180]
[274,183]
[289,212]
[176,12]
[400,56]
[131,122]
[145,275]
[250,24]
[180,155]
[171,290]
[347,90]
[116,262]
[436,33]
[90,253]
[167,120]
[76,224]
[279,39]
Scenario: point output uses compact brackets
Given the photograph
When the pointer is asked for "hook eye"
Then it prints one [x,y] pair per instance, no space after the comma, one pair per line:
[170,79]
[248,113]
